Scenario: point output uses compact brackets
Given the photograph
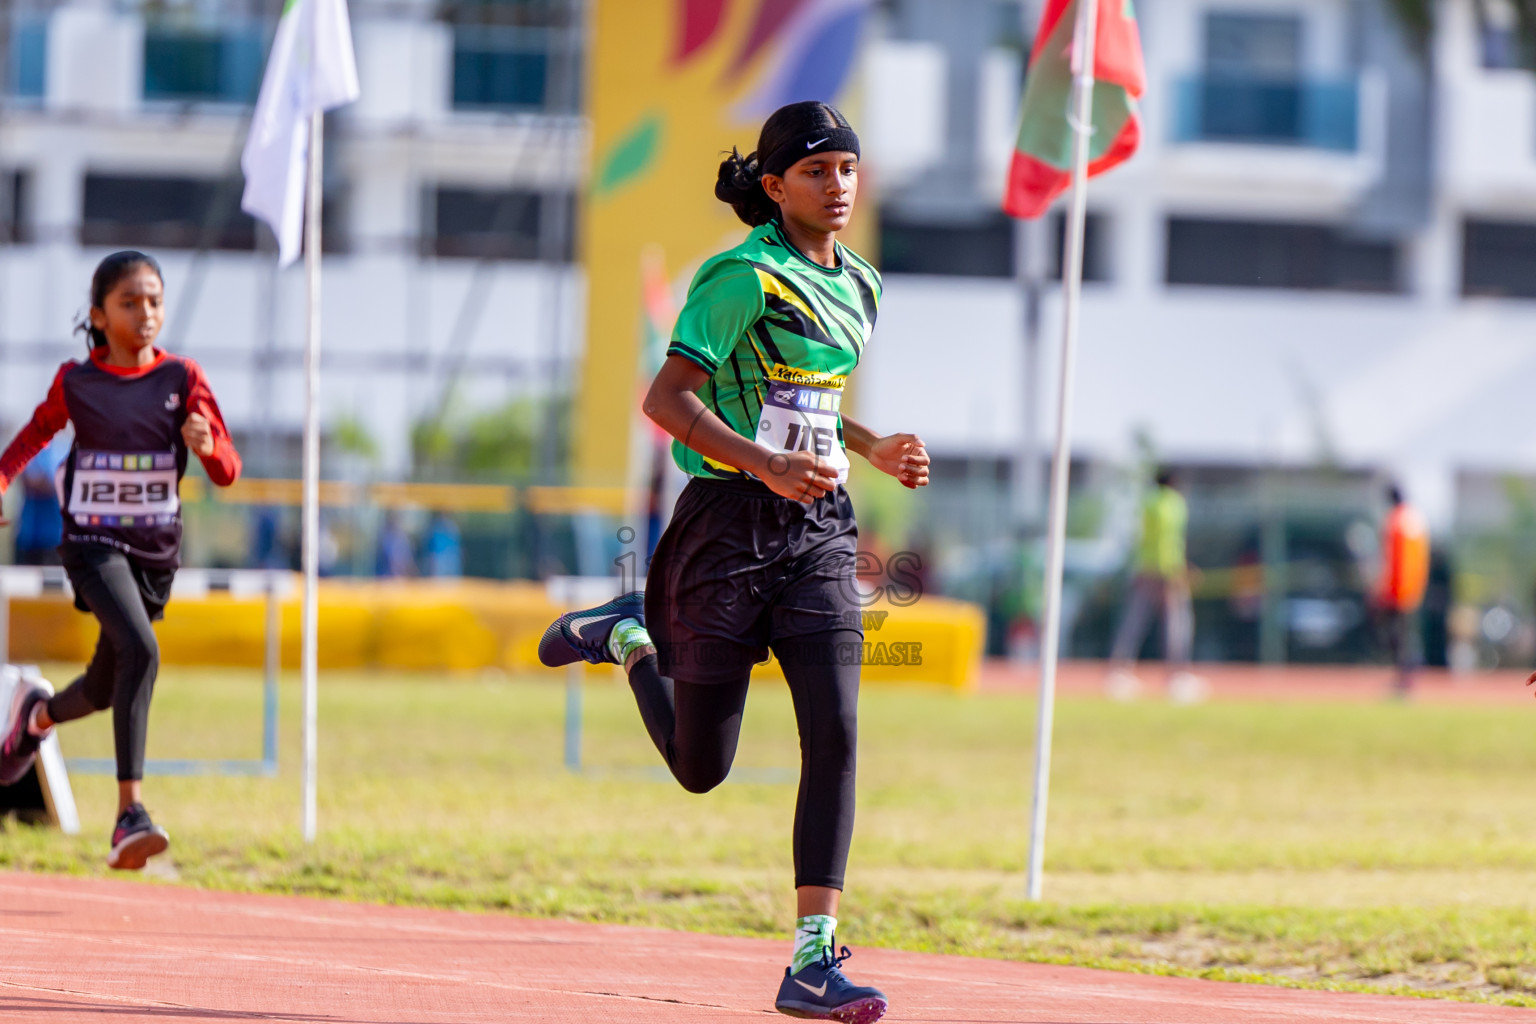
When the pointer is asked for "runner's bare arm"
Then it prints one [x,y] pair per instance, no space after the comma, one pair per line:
[902,456]
[674,405]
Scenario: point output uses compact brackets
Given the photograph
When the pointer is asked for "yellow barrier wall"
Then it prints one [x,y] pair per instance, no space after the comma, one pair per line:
[458,626]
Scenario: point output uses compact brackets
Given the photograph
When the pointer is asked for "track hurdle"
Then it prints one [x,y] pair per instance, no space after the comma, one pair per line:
[35,581]
[569,592]
[43,795]
[578,592]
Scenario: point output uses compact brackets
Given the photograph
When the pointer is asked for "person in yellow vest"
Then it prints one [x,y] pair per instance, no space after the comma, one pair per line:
[1400,588]
[1160,585]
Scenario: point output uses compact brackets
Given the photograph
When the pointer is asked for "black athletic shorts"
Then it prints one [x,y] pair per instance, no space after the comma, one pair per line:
[739,568]
[82,560]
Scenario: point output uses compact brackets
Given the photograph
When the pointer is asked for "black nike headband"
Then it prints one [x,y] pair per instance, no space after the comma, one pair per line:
[821,140]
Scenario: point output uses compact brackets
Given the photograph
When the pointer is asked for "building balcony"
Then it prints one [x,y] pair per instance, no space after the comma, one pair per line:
[509,69]
[203,64]
[1323,115]
[25,64]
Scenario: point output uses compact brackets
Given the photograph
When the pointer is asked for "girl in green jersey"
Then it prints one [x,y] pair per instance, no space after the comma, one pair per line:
[761,549]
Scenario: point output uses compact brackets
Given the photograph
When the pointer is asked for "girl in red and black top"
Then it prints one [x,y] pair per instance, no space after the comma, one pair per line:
[137,412]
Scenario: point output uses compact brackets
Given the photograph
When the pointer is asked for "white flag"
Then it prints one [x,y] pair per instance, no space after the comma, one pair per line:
[311,68]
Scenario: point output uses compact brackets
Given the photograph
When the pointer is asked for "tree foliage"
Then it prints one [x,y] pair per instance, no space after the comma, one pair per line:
[1418,19]
[1525,24]
[501,443]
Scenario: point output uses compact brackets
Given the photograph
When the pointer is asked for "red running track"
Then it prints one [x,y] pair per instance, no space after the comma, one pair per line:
[120,951]
[1275,682]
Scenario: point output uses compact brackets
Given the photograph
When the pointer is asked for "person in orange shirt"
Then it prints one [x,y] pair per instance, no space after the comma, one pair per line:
[1400,588]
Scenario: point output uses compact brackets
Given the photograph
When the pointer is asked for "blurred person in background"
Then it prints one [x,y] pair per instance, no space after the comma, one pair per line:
[1400,588]
[394,559]
[442,553]
[269,548]
[39,529]
[1161,585]
[327,548]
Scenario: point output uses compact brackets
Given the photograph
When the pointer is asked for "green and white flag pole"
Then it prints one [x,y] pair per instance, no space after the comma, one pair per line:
[1068,134]
[310,70]
[1081,119]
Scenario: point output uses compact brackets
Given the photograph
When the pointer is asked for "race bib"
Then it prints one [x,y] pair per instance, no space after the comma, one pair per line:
[800,414]
[123,489]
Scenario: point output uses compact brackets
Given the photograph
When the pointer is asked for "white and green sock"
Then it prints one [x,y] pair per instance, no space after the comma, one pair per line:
[627,638]
[813,937]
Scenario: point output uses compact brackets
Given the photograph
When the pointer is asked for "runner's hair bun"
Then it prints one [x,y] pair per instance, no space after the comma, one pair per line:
[740,186]
[741,177]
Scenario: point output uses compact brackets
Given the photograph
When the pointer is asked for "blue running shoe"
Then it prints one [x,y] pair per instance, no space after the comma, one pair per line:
[19,748]
[822,992]
[583,635]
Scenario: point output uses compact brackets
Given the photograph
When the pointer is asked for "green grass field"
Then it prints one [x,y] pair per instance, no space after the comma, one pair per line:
[1379,847]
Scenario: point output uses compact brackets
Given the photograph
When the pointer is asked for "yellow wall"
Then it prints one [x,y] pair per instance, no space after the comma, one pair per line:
[463,626]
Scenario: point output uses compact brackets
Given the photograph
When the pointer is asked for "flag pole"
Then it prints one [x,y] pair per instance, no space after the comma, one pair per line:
[1081,120]
[311,516]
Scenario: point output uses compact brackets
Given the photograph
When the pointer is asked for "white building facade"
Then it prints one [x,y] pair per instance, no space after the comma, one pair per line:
[450,204]
[1325,250]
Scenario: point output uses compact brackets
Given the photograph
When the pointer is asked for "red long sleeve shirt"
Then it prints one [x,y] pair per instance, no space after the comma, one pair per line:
[120,485]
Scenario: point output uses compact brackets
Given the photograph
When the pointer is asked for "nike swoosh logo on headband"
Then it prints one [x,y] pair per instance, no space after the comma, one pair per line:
[813,145]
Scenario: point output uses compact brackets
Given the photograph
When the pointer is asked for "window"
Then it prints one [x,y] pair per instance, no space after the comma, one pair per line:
[516,55]
[15,224]
[507,68]
[503,224]
[1095,246]
[1498,259]
[212,65]
[492,70]
[979,248]
[171,213]
[1254,90]
[26,61]
[1255,254]
[1253,45]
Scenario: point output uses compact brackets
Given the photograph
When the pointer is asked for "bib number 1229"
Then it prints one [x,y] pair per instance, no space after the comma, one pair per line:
[124,492]
[123,484]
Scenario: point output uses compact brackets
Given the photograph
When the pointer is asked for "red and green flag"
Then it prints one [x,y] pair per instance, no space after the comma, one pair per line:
[1042,157]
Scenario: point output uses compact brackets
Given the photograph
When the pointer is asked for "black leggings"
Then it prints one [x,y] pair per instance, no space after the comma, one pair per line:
[696,726]
[122,672]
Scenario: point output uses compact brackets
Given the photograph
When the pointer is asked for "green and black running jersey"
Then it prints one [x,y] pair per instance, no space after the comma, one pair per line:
[779,335]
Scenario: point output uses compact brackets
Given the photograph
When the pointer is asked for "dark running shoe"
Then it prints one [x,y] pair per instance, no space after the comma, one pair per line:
[822,992]
[19,749]
[136,839]
[583,635]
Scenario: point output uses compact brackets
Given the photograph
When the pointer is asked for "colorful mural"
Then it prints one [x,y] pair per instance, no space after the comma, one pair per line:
[672,85]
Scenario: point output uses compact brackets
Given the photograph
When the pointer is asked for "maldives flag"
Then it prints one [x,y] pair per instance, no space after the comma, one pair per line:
[1042,158]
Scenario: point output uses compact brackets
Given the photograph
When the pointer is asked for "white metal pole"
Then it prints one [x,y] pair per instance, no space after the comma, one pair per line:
[271,666]
[311,541]
[1081,120]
